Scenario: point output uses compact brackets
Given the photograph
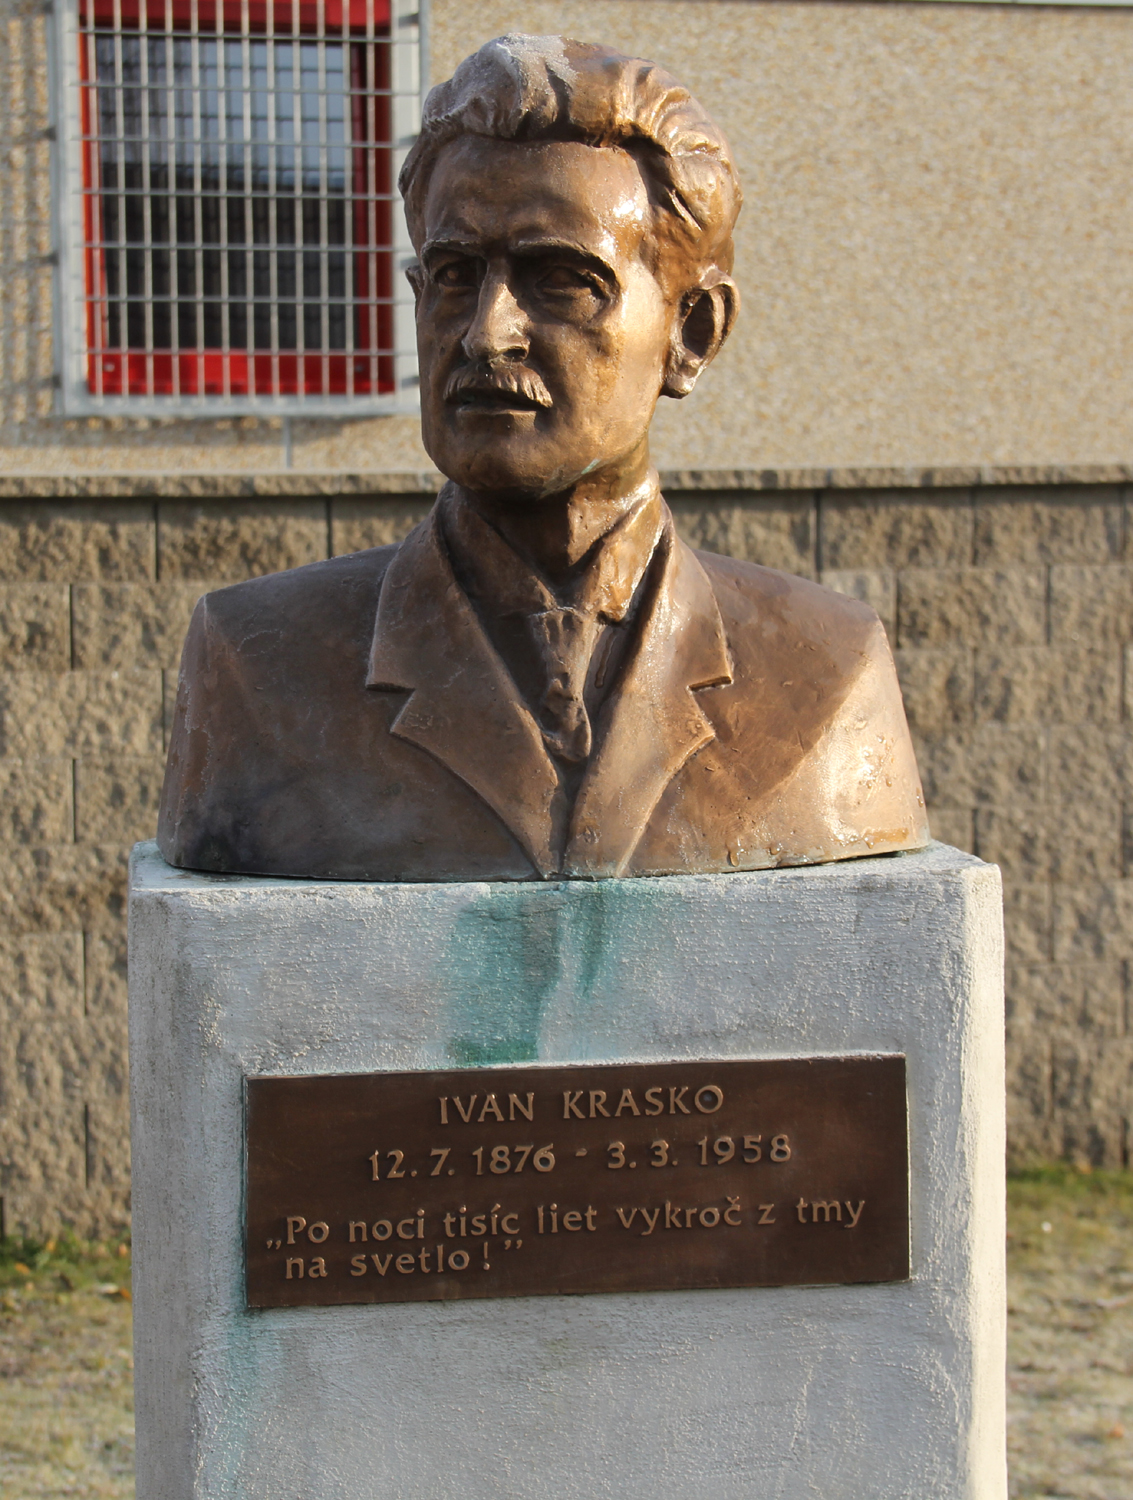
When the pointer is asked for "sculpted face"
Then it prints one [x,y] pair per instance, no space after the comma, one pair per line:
[545,336]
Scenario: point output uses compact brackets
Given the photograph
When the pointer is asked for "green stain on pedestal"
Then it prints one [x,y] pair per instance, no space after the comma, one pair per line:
[512,950]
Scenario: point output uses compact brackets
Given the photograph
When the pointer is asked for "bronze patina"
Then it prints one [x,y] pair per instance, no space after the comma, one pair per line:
[543,680]
[414,1187]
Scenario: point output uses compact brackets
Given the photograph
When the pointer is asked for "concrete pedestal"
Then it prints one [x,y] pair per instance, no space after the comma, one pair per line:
[833,1393]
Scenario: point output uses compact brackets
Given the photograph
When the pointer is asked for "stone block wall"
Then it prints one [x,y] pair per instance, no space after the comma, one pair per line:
[1011,614]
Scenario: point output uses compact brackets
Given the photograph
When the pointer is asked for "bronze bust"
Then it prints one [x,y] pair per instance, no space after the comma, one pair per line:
[542,680]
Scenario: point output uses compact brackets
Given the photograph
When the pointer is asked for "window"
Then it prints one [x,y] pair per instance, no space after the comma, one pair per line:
[232,238]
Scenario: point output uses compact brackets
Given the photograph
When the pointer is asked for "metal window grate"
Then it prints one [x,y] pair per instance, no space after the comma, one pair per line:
[232,238]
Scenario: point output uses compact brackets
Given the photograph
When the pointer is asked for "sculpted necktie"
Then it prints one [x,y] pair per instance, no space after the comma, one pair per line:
[565,639]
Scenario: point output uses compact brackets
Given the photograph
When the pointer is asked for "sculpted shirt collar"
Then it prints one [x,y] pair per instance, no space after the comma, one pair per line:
[501,584]
[463,708]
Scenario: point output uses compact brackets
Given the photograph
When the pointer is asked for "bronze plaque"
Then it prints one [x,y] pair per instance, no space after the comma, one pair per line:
[624,1177]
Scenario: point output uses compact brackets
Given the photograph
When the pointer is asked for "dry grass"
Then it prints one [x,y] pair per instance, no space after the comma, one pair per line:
[1070,1349]
[66,1408]
[66,1372]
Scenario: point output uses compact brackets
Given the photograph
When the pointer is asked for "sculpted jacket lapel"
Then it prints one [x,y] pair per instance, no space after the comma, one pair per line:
[651,724]
[463,709]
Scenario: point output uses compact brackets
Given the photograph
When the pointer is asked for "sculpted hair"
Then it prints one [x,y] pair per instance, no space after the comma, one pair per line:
[549,88]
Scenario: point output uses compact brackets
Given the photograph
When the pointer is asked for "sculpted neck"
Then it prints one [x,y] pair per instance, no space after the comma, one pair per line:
[554,533]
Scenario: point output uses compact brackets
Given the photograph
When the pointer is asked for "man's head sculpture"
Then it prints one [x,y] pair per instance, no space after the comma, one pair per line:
[543,680]
[586,273]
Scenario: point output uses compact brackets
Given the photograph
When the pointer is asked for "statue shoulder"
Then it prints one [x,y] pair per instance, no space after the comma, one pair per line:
[319,594]
[774,608]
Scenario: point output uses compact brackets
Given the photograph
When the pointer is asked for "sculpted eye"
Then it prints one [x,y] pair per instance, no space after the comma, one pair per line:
[562,278]
[457,275]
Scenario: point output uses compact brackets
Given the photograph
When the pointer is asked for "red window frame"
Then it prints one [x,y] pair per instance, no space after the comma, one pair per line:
[366,369]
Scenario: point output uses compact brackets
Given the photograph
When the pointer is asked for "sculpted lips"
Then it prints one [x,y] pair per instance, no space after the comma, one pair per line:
[497,388]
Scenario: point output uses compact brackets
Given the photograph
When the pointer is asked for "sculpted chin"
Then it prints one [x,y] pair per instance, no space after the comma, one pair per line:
[543,681]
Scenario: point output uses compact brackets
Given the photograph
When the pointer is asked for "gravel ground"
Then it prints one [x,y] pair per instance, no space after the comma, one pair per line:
[66,1398]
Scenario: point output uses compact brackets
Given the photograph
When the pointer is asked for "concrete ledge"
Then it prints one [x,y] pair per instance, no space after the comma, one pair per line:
[884,1391]
[296,482]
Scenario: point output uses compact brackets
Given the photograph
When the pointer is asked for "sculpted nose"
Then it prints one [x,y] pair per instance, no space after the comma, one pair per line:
[498,330]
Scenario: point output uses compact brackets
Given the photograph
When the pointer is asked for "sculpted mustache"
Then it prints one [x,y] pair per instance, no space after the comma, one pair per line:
[510,380]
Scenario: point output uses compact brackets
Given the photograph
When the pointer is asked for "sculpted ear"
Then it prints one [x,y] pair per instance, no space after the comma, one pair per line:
[704,321]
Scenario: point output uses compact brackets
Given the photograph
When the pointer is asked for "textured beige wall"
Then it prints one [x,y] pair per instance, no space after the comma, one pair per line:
[937,254]
[937,249]
[1011,611]
[95,599]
